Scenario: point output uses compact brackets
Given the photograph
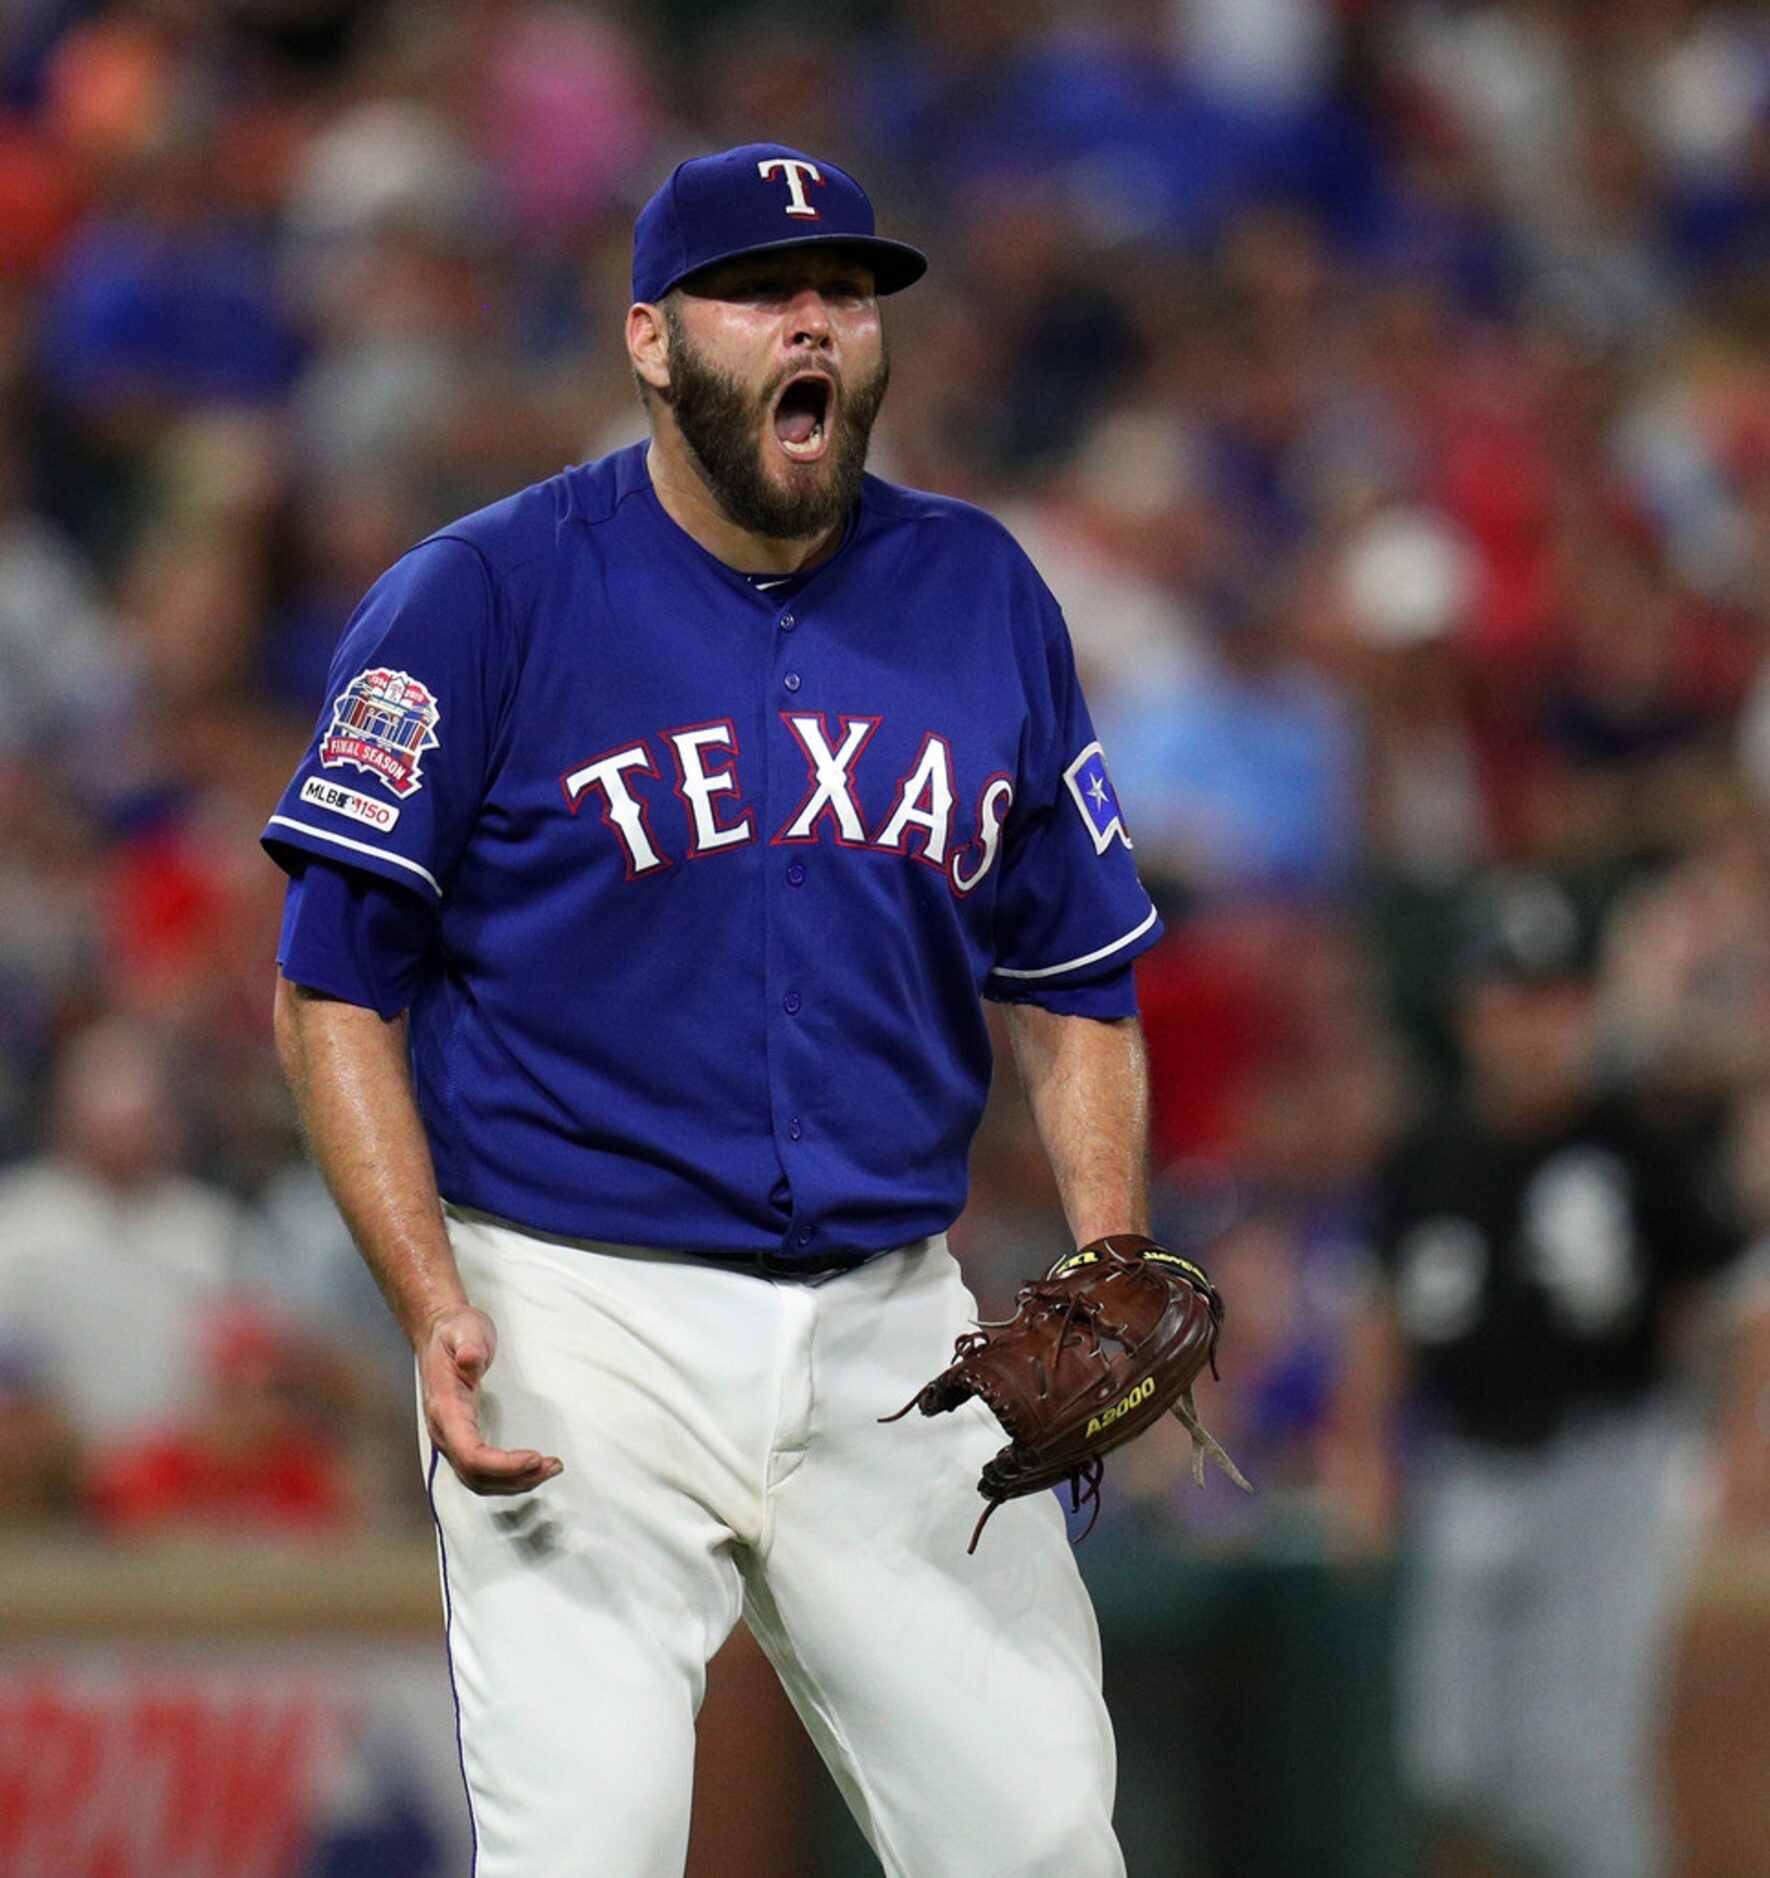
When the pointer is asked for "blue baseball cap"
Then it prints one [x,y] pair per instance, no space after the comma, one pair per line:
[759,196]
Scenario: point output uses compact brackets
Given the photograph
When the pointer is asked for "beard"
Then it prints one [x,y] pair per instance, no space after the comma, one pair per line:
[725,426]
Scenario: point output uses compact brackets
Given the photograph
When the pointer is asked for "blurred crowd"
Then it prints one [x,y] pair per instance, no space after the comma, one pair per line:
[1382,385]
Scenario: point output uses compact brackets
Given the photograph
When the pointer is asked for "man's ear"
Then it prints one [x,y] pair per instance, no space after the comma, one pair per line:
[648,345]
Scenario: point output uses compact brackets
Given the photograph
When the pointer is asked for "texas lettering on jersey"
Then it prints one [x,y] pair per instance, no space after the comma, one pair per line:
[918,825]
[690,844]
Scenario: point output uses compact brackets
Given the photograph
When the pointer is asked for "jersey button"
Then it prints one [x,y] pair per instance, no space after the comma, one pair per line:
[796,873]
[788,622]
[795,1128]
[805,1235]
[791,681]
[790,1003]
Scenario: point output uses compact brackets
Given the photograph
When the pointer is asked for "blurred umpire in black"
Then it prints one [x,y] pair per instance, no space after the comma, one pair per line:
[1538,1244]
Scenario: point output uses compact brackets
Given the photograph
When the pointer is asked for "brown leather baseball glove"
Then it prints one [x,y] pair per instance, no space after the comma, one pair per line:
[1097,1351]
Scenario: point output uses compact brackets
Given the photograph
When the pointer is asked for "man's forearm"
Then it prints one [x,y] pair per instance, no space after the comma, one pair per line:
[347,1068]
[1088,1083]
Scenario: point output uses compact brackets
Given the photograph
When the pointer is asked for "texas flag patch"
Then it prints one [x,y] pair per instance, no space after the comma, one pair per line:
[1095,796]
[383,722]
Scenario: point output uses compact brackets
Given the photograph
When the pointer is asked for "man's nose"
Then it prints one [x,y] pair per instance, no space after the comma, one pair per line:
[809,318]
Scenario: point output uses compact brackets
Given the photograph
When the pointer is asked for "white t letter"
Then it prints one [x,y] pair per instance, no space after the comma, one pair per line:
[796,170]
[620,810]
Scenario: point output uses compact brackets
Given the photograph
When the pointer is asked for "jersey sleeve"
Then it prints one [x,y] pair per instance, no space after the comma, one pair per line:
[393,778]
[355,936]
[1112,994]
[1071,910]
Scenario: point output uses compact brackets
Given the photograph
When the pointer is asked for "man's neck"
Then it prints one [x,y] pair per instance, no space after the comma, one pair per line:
[691,505]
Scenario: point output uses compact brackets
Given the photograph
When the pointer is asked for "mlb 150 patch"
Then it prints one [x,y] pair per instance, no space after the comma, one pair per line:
[383,722]
[351,802]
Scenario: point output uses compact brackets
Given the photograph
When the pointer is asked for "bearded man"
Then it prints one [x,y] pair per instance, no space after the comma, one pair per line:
[665,826]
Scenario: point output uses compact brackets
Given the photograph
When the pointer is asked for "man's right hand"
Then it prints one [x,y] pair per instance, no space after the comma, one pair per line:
[454,1353]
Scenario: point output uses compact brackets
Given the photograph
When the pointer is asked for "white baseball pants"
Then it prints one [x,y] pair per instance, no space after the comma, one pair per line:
[723,1451]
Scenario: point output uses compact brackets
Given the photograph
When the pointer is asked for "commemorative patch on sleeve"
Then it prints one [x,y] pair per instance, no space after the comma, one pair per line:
[383,722]
[1096,798]
[368,810]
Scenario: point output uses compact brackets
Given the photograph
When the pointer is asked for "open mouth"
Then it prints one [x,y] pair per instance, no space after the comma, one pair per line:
[803,416]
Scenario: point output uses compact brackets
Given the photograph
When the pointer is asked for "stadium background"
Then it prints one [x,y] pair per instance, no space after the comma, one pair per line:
[1384,389]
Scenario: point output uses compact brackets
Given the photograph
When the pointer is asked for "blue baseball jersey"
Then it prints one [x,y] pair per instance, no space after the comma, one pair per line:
[720,868]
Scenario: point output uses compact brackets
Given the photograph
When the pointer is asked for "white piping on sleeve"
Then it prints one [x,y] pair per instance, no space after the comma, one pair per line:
[362,847]
[1087,958]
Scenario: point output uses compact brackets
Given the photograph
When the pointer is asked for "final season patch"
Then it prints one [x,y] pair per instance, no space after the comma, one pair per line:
[383,722]
[1096,798]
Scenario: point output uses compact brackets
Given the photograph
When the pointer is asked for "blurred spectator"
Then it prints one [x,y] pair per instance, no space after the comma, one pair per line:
[1134,632]
[1245,779]
[40,1455]
[1686,984]
[64,677]
[1406,581]
[51,861]
[1537,1242]
[1743,1406]
[567,114]
[252,1456]
[109,1251]
[162,300]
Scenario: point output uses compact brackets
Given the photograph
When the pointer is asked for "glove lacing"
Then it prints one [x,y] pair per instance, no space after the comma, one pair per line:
[1084,1490]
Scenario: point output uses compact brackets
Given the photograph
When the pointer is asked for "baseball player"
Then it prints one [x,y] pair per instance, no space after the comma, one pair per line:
[663,829]
[1535,1240]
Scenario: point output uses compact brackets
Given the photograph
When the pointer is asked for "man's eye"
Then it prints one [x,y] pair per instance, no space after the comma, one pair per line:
[848,292]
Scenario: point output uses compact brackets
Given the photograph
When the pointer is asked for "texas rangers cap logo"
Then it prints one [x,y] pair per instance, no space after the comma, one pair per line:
[1095,796]
[383,722]
[796,170]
